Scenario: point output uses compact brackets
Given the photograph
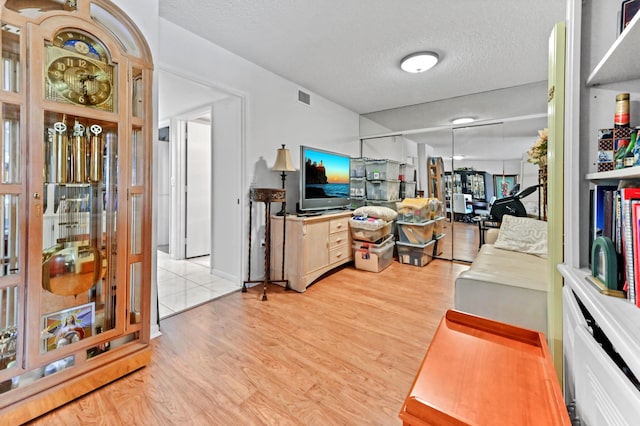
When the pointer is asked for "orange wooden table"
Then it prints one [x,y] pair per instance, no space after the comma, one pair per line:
[483,372]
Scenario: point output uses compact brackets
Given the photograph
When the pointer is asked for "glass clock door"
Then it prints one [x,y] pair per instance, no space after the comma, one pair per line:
[79,244]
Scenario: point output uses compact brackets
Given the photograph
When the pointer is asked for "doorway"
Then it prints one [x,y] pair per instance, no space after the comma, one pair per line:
[201,171]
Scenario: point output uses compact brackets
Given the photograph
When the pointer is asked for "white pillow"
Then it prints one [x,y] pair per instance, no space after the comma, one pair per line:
[523,234]
[379,212]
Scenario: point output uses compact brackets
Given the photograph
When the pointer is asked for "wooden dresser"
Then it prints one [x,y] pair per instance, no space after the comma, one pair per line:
[314,246]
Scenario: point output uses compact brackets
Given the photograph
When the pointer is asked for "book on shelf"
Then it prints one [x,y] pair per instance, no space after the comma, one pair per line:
[612,216]
[608,209]
[629,196]
[635,205]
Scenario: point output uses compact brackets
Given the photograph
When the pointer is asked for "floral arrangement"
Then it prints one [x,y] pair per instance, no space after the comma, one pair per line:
[538,152]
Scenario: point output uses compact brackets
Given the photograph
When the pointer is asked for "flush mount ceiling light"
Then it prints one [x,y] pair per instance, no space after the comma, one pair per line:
[419,62]
[458,157]
[463,120]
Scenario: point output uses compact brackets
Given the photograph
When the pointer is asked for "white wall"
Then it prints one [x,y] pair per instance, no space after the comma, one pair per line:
[145,14]
[272,116]
[227,124]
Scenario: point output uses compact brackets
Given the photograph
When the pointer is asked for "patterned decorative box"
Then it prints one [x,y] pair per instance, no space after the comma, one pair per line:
[610,143]
[605,150]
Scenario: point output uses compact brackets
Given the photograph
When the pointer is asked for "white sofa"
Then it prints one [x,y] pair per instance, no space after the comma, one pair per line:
[508,285]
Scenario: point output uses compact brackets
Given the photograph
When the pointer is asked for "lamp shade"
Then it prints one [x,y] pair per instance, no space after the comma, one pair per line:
[283,161]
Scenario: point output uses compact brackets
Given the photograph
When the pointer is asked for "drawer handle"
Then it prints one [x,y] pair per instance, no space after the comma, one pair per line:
[338,254]
[339,226]
[339,240]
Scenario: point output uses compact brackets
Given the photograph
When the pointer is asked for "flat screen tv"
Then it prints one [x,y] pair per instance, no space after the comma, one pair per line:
[324,180]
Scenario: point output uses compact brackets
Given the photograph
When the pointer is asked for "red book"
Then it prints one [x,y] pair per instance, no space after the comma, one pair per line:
[629,253]
[636,247]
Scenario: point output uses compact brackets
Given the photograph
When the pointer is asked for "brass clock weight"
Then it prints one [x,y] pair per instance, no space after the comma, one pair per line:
[74,263]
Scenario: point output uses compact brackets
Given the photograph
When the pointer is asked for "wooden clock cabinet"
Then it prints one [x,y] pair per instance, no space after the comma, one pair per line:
[75,251]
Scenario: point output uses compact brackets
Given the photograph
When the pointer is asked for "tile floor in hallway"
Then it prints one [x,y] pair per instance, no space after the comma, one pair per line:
[183,284]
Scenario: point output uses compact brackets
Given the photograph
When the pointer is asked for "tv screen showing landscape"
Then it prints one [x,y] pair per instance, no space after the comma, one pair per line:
[326,179]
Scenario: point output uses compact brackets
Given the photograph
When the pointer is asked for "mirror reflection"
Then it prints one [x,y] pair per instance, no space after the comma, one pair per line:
[473,170]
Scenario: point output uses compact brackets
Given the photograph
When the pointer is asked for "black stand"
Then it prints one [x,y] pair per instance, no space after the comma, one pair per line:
[267,196]
[483,225]
[283,210]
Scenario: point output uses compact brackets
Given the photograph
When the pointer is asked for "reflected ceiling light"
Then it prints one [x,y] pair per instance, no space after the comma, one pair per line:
[458,157]
[463,120]
[419,62]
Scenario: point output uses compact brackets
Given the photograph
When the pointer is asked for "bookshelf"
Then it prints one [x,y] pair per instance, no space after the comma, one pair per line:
[609,68]
[614,175]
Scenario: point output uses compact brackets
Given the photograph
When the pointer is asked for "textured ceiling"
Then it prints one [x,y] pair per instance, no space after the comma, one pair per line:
[349,50]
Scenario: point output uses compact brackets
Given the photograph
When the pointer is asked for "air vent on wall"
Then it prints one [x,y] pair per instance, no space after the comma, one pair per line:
[303,97]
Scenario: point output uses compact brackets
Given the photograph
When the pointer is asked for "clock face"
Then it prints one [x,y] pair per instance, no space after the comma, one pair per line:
[78,71]
[80,80]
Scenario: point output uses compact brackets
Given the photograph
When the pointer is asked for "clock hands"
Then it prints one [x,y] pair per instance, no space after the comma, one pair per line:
[84,77]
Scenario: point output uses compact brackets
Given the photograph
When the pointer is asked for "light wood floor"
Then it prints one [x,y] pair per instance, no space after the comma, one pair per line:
[462,238]
[343,353]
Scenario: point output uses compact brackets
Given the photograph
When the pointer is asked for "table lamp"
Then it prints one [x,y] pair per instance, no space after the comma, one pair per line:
[283,164]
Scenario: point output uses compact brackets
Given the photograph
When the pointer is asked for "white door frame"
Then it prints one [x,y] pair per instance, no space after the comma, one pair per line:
[177,199]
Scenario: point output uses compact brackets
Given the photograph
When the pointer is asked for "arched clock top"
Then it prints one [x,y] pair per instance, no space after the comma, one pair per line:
[102,13]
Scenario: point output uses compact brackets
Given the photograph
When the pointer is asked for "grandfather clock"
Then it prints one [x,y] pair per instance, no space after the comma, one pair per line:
[75,188]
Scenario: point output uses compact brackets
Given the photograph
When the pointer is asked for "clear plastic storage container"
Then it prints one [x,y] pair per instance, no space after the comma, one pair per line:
[357,187]
[368,228]
[407,172]
[407,189]
[438,226]
[414,209]
[416,233]
[415,254]
[384,190]
[373,257]
[382,169]
[357,168]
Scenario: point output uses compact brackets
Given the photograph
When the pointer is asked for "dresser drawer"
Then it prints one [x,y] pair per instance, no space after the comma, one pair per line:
[338,238]
[339,224]
[339,254]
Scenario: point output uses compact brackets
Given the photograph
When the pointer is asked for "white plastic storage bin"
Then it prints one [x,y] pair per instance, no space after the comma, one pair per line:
[358,168]
[407,172]
[415,254]
[382,169]
[373,257]
[368,228]
[416,233]
[358,187]
[383,190]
